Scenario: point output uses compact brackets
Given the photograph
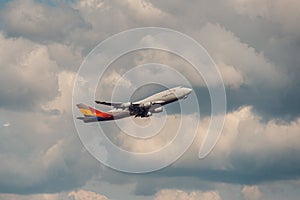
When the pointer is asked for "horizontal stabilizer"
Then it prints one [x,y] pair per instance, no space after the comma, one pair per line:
[88,119]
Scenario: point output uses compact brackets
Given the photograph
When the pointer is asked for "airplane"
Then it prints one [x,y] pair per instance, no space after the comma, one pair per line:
[143,108]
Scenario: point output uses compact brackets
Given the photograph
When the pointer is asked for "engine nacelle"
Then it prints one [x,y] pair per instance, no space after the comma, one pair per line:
[125,105]
[157,110]
[149,114]
[146,105]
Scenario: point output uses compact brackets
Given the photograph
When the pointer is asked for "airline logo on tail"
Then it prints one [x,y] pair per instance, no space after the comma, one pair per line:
[92,114]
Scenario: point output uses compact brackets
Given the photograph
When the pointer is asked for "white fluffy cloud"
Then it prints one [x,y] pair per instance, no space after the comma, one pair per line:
[32,197]
[248,142]
[286,13]
[123,14]
[28,74]
[141,9]
[164,127]
[182,195]
[40,145]
[251,192]
[248,147]
[239,63]
[245,142]
[231,76]
[113,78]
[86,195]
[39,21]
[62,101]
[66,56]
[73,195]
[144,9]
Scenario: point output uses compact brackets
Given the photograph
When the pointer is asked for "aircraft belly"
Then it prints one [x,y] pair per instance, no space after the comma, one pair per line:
[121,114]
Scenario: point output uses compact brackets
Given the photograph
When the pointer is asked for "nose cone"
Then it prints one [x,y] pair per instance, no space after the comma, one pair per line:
[188,90]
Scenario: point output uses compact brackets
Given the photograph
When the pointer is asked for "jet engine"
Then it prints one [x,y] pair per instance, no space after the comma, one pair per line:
[157,110]
[125,105]
[149,114]
[146,105]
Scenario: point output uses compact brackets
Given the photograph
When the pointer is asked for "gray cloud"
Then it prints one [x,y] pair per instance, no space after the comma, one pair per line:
[28,75]
[249,152]
[41,158]
[40,21]
[72,195]
[256,45]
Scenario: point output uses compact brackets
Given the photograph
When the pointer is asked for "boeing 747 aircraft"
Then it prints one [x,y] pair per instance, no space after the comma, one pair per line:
[142,108]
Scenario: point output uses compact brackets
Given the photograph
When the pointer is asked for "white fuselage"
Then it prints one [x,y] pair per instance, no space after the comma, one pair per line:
[154,102]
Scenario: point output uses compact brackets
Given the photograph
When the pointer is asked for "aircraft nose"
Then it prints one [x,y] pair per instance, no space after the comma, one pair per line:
[188,90]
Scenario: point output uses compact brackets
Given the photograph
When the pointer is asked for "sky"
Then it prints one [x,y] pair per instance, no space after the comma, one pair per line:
[254,43]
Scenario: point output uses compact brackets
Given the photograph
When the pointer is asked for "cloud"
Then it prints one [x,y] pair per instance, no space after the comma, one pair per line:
[28,75]
[249,150]
[92,4]
[253,78]
[62,102]
[251,193]
[6,124]
[164,127]
[255,45]
[42,159]
[125,15]
[86,195]
[113,78]
[246,63]
[72,195]
[65,56]
[32,197]
[144,9]
[40,21]
[182,195]
[42,152]
[283,12]
[231,76]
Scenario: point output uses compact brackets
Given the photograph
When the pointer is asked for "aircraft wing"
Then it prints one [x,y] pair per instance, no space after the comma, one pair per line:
[109,103]
[157,102]
[120,104]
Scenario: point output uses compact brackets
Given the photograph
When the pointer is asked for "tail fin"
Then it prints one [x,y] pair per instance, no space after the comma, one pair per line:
[91,113]
[85,110]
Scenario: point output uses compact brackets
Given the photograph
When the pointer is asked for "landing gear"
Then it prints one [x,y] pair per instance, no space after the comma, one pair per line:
[139,111]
